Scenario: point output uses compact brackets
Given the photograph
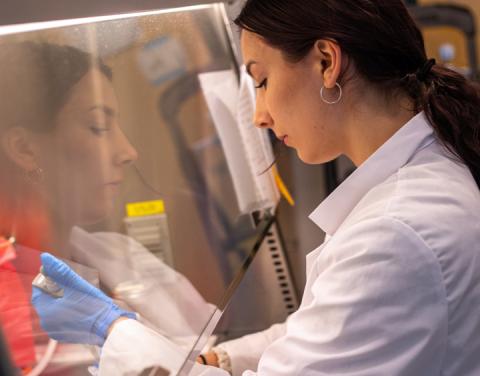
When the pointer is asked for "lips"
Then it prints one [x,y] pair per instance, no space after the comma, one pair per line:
[114,183]
[283,139]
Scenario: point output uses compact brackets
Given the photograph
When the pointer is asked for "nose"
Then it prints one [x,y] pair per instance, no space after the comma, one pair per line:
[261,117]
[126,153]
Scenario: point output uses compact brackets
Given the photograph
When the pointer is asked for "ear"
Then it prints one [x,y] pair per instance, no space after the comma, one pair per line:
[18,145]
[329,55]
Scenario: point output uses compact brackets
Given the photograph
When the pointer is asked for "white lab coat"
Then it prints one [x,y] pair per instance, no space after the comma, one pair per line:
[394,289]
[165,300]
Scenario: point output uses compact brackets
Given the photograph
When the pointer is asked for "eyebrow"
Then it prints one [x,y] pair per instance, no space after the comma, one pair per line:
[249,67]
[106,109]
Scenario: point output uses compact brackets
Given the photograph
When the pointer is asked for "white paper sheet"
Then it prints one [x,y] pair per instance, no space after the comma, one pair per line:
[247,148]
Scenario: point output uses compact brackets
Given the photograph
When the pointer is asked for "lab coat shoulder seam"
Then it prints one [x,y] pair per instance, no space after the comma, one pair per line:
[393,195]
[410,229]
[441,278]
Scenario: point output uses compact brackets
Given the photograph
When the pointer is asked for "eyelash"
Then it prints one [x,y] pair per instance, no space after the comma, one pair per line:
[262,84]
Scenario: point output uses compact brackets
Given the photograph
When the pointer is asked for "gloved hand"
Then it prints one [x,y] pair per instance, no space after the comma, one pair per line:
[84,313]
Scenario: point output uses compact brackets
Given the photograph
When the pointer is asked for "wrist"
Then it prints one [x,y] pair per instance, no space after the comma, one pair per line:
[210,359]
[223,359]
[114,323]
[108,319]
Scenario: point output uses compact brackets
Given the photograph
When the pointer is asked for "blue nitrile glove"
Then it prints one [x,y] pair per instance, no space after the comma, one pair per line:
[82,315]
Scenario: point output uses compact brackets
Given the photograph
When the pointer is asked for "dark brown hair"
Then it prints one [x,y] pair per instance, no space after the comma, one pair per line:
[36,81]
[387,48]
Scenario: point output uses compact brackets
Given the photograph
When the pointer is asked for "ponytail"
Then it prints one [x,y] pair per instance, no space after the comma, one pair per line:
[452,105]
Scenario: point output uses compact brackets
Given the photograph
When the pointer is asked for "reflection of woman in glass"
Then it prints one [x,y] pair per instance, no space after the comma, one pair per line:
[62,158]
[61,131]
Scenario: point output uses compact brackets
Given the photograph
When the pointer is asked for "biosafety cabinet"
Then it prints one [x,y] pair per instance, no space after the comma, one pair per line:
[128,151]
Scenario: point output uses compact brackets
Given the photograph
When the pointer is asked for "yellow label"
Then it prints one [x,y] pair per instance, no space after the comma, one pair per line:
[140,209]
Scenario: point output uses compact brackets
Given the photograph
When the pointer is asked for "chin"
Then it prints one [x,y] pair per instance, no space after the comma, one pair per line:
[95,215]
[314,159]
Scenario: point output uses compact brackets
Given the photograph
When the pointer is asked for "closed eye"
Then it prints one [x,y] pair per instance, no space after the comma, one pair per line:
[99,129]
[262,84]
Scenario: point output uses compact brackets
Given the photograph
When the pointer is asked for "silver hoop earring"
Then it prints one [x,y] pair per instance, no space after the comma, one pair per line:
[340,93]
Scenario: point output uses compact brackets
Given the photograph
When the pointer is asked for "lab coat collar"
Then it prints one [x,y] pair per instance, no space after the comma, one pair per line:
[392,155]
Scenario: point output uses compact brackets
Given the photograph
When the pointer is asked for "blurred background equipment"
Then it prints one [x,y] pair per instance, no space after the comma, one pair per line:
[458,18]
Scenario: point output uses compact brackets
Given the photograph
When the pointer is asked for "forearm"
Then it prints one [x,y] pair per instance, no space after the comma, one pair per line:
[132,347]
[210,359]
[245,352]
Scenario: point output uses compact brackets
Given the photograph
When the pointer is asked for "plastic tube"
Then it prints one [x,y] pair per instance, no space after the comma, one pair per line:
[47,356]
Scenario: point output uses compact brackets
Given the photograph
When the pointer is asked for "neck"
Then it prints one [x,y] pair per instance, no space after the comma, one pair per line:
[372,122]
[60,240]
[25,215]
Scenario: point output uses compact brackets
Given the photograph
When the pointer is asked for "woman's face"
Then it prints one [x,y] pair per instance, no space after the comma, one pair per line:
[83,158]
[288,101]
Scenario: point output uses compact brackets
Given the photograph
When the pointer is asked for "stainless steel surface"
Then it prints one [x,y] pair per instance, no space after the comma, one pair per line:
[283,276]
[267,294]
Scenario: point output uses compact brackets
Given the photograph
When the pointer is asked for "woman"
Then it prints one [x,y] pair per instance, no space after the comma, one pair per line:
[394,288]
[63,156]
